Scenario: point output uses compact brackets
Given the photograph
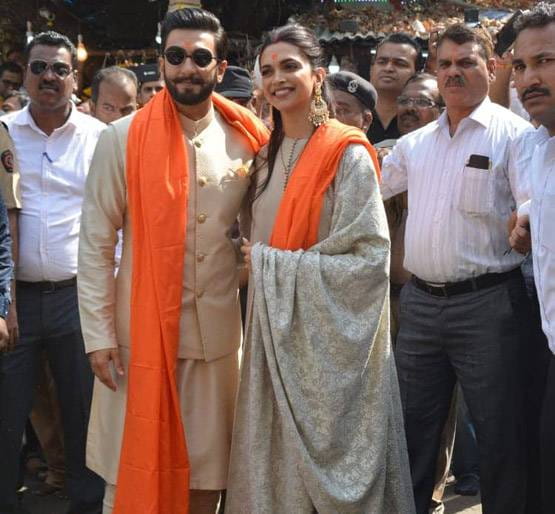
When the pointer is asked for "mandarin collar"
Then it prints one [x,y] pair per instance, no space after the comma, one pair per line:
[194,128]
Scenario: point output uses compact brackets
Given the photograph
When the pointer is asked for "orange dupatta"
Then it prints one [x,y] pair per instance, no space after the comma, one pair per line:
[298,217]
[153,475]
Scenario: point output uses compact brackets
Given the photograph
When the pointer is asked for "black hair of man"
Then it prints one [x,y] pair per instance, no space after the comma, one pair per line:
[11,67]
[424,77]
[539,16]
[402,38]
[195,19]
[461,34]
[51,38]
[114,75]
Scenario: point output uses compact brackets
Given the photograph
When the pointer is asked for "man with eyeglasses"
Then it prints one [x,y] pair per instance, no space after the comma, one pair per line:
[54,144]
[417,105]
[163,335]
[11,77]
[463,313]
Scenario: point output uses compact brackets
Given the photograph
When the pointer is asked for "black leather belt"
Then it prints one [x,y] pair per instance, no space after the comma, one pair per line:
[395,289]
[465,286]
[48,287]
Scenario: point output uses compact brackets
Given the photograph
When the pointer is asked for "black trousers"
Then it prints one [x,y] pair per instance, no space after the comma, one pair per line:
[477,339]
[547,442]
[48,322]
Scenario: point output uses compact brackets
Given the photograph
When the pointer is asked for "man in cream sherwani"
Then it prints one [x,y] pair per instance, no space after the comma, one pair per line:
[210,324]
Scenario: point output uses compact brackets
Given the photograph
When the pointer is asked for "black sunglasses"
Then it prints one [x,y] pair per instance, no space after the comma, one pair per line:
[175,55]
[61,69]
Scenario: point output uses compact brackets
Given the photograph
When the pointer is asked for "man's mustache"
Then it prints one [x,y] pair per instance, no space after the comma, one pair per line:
[534,90]
[189,80]
[45,84]
[454,81]
[410,115]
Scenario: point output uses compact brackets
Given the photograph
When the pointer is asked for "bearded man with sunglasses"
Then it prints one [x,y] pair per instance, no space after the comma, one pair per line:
[54,144]
[163,335]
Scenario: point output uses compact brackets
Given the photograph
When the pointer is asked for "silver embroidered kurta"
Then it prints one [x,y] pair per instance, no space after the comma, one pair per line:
[318,422]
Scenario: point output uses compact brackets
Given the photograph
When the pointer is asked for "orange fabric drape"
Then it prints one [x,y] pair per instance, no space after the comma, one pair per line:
[298,217]
[153,476]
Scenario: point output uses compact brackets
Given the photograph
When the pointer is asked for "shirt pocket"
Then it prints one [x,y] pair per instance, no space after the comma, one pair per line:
[547,221]
[476,191]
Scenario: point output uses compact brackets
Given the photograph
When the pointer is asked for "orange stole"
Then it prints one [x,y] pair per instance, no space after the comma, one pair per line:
[153,475]
[298,216]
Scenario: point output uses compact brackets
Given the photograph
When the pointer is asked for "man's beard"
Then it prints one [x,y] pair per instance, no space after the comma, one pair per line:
[189,97]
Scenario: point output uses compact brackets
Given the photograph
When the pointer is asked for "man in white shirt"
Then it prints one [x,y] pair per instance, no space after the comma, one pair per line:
[54,144]
[534,69]
[461,312]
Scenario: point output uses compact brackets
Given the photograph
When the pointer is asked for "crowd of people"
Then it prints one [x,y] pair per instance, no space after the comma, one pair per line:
[279,290]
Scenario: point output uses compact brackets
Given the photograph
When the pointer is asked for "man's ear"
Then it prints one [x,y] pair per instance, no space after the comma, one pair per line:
[161,67]
[75,74]
[222,66]
[367,119]
[490,63]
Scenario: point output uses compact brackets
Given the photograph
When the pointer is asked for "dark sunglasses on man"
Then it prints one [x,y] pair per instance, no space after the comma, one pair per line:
[61,69]
[176,55]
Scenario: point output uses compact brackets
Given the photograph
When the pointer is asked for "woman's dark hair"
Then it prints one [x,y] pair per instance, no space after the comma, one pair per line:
[307,42]
[194,18]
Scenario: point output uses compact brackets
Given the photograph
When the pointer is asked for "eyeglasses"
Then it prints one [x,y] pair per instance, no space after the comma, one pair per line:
[61,69]
[175,55]
[405,101]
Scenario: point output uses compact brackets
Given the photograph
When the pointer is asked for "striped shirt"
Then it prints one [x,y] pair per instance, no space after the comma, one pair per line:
[461,192]
[541,209]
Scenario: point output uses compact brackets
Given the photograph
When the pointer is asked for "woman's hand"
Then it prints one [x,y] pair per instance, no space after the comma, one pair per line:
[246,251]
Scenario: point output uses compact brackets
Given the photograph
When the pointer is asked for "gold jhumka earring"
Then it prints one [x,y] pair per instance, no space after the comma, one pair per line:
[319,112]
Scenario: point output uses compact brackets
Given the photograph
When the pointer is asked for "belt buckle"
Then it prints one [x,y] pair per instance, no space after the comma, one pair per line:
[51,288]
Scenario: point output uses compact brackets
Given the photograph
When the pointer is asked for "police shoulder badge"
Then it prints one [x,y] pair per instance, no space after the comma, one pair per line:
[7,160]
[352,86]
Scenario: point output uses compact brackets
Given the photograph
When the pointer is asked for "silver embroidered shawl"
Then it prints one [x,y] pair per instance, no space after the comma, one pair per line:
[318,423]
